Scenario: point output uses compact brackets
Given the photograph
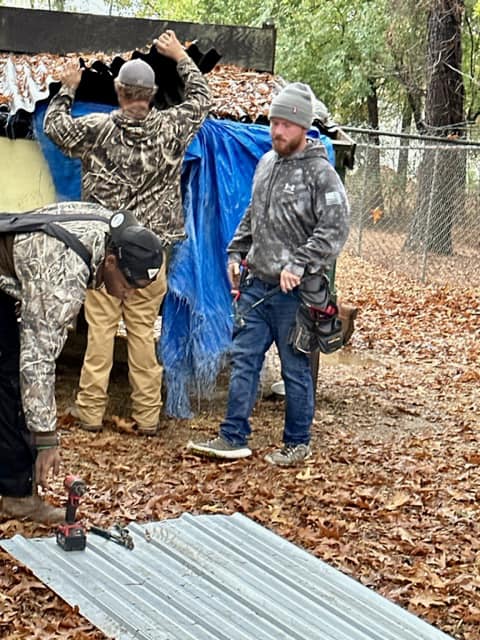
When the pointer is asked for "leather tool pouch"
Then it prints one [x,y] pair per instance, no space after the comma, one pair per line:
[317,326]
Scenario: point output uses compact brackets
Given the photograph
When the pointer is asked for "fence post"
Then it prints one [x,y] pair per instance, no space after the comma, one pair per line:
[429,216]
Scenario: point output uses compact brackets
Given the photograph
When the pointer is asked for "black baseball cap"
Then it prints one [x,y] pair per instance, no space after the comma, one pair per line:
[139,251]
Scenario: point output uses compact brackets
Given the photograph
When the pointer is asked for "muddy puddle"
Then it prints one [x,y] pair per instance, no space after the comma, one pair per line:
[350,358]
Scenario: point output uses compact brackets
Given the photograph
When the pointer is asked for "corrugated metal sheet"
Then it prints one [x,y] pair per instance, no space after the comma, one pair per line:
[214,577]
[25,80]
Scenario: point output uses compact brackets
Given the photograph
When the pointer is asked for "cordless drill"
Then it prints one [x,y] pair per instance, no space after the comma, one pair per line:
[71,535]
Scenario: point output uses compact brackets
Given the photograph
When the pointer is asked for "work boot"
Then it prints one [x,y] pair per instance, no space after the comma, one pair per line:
[86,426]
[146,431]
[31,508]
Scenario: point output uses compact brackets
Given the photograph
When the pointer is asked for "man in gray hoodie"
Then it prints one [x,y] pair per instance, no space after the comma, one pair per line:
[293,230]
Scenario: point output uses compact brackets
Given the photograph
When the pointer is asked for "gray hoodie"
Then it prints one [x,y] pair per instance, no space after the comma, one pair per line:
[297,218]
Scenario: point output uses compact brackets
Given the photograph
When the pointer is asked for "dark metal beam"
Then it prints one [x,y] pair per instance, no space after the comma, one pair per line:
[35,31]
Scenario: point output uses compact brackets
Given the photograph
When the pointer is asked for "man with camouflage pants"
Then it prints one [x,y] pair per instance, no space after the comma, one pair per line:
[131,159]
[43,280]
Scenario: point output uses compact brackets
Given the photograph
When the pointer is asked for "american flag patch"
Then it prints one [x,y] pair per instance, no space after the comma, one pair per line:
[332,197]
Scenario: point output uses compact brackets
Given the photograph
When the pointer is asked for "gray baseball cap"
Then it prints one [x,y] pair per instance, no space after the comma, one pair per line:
[137,73]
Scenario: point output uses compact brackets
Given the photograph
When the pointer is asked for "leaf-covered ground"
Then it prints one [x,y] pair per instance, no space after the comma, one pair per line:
[391,495]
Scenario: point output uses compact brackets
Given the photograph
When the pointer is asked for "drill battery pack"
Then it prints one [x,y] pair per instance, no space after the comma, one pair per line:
[71,537]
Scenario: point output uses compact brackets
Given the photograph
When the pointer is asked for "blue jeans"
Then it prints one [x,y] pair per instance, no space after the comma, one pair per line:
[270,322]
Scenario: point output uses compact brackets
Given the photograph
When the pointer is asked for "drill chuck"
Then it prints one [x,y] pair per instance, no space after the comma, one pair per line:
[75,485]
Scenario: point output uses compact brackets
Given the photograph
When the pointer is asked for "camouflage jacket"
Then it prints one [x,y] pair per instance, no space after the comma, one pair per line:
[298,216]
[50,281]
[130,163]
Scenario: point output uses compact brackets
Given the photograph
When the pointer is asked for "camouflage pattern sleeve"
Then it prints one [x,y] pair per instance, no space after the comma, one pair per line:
[53,285]
[190,114]
[74,136]
[45,317]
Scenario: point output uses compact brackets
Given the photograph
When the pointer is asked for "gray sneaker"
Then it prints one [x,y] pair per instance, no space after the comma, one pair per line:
[290,455]
[219,448]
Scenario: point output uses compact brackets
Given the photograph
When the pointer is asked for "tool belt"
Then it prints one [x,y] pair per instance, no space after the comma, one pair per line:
[317,326]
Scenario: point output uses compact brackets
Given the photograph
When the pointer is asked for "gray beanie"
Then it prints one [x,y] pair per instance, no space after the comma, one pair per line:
[295,104]
[137,73]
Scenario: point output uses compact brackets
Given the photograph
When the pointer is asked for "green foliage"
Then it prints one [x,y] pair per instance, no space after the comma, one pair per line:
[471,65]
[338,46]
[126,7]
[339,51]
[344,49]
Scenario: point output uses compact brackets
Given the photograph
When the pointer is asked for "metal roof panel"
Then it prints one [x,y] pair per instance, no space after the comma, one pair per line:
[26,79]
[214,577]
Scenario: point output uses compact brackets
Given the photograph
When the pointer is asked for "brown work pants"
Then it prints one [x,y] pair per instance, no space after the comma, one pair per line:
[103,314]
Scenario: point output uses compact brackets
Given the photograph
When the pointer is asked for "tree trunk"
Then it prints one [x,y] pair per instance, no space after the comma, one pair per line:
[374,196]
[402,165]
[441,191]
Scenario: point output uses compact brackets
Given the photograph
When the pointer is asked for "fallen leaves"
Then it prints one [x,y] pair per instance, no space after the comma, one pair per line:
[28,609]
[398,500]
[238,93]
[376,214]
[428,599]
[390,496]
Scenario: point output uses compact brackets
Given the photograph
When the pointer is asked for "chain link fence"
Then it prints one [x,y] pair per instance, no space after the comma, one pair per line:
[416,206]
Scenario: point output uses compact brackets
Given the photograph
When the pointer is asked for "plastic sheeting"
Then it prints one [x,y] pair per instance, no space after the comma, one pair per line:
[66,172]
[197,322]
[216,184]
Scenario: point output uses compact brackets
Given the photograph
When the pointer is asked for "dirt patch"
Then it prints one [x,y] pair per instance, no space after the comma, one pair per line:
[390,495]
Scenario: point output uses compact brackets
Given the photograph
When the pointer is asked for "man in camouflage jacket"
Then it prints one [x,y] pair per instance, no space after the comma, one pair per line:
[131,159]
[294,229]
[48,280]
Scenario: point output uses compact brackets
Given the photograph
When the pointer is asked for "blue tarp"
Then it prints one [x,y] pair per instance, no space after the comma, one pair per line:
[216,183]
